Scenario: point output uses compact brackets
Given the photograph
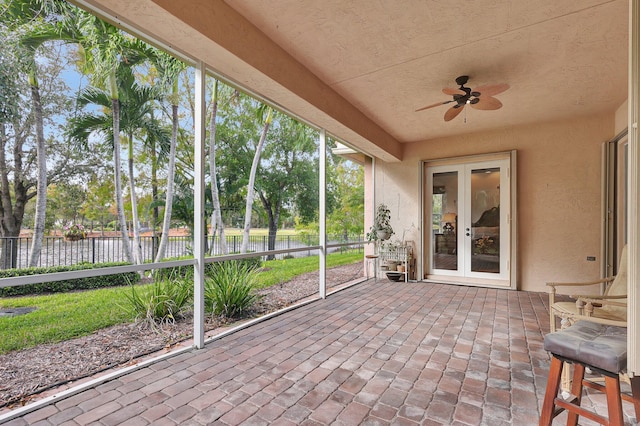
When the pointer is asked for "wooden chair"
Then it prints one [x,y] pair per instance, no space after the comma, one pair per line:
[606,308]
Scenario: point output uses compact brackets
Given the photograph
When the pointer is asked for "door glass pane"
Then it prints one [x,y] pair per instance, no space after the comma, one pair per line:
[485,220]
[444,220]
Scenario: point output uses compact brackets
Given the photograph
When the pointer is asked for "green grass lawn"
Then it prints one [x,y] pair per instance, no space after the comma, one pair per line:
[63,316]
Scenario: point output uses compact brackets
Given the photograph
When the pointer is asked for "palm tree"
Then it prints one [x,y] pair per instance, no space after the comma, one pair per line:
[170,69]
[135,106]
[104,48]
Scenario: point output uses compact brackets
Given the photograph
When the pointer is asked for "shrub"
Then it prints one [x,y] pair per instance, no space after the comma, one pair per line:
[229,290]
[162,301]
[74,231]
[86,283]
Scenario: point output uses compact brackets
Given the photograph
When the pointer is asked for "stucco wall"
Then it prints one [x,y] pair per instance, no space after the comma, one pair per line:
[558,185]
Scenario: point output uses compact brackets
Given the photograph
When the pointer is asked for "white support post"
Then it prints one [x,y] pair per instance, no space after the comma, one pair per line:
[633,317]
[373,187]
[323,214]
[369,212]
[198,197]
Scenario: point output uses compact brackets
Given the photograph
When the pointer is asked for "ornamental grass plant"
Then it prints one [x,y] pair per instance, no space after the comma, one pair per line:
[161,302]
[229,290]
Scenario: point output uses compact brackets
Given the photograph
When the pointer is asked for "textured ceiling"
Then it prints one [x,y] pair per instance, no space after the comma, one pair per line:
[361,68]
[387,57]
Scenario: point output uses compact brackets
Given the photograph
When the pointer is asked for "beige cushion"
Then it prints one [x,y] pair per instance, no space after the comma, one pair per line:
[619,285]
[618,288]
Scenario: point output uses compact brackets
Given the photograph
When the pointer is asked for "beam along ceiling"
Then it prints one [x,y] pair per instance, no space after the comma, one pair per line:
[361,68]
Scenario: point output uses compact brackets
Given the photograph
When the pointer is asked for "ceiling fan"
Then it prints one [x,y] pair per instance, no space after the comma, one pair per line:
[482,97]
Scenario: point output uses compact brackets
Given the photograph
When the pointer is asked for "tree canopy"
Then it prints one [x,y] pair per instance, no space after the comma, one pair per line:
[108,99]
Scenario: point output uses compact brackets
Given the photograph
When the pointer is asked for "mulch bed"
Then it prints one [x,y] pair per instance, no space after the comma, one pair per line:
[26,373]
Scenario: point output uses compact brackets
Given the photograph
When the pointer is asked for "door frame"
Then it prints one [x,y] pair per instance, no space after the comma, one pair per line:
[425,210]
[615,195]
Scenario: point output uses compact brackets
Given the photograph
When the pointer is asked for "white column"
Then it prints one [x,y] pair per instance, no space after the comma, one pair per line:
[198,197]
[633,317]
[323,214]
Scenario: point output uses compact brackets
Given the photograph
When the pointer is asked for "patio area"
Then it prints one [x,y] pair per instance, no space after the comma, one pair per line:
[375,353]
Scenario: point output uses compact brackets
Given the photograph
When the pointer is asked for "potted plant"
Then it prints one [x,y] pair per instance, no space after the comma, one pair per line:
[74,232]
[392,249]
[381,229]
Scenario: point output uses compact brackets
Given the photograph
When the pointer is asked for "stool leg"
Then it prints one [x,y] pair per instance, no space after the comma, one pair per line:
[566,373]
[553,382]
[375,270]
[565,383]
[576,390]
[614,402]
[372,262]
[635,394]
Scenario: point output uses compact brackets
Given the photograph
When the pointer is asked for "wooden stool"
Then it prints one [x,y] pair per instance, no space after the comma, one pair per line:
[602,348]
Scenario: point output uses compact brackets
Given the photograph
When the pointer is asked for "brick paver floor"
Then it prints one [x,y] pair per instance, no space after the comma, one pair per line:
[375,353]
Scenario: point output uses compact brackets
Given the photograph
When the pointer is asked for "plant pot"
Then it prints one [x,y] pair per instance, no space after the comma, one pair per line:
[73,238]
[383,235]
[395,276]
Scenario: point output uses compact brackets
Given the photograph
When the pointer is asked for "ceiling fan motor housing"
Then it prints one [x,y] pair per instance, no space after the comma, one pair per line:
[467,97]
[462,80]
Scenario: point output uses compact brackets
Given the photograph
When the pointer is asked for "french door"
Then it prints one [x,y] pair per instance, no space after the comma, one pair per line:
[468,218]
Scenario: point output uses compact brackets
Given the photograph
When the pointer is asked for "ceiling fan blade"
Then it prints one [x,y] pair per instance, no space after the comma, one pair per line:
[491,89]
[453,91]
[487,103]
[453,112]
[434,105]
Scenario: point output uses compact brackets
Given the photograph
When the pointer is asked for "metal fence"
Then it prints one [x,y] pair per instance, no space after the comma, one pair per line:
[56,251]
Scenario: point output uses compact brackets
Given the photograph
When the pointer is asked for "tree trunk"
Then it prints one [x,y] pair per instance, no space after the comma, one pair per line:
[137,249]
[168,202]
[41,152]
[11,208]
[155,214]
[126,247]
[216,214]
[154,185]
[250,186]
[273,213]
